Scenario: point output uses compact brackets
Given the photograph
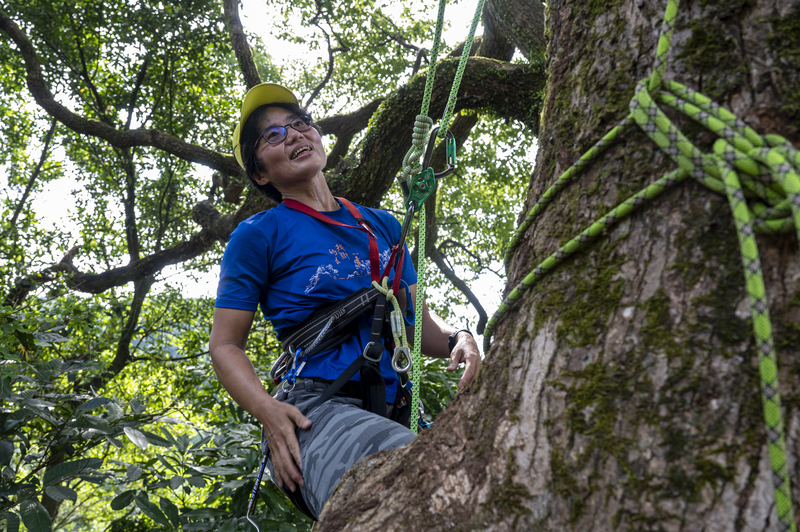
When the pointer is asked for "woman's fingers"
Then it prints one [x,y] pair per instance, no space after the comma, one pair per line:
[473,363]
[284,447]
[465,352]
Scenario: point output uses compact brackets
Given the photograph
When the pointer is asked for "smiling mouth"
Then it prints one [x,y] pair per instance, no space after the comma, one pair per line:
[299,152]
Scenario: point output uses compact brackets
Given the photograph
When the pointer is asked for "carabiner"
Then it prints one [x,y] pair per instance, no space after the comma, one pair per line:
[401,351]
[450,149]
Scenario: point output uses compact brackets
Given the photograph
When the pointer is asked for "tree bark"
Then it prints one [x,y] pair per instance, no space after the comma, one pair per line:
[622,393]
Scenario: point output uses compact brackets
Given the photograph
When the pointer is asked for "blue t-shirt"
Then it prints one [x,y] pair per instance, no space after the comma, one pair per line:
[291,264]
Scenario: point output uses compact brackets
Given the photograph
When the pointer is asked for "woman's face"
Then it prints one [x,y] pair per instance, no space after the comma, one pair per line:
[299,158]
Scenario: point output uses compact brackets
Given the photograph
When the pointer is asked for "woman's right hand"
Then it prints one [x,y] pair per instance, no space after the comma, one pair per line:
[280,422]
[237,375]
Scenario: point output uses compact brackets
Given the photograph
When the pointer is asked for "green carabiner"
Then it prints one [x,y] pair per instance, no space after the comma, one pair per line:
[451,150]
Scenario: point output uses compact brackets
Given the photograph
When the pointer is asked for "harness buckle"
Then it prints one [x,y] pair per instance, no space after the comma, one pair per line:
[400,352]
[370,346]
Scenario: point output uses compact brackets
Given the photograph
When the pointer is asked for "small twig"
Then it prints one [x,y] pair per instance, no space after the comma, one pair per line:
[176,359]
[329,73]
[439,259]
[34,176]
[449,243]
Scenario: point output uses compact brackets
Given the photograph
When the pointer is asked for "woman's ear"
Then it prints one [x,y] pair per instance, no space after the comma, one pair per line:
[260,176]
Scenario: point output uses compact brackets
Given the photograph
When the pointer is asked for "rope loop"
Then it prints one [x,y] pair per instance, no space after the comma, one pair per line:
[383,287]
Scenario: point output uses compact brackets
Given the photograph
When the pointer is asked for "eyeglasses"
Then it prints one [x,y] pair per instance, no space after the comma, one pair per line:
[277,134]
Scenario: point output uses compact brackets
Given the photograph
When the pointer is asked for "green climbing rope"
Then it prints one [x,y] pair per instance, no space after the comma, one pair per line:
[412,168]
[759,176]
[416,353]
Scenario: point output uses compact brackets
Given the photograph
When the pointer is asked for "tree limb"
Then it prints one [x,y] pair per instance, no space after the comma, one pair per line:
[501,87]
[120,139]
[345,127]
[239,41]
[123,353]
[329,72]
[438,258]
[522,23]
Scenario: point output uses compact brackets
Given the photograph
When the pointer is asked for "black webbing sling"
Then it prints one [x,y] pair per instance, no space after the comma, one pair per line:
[373,387]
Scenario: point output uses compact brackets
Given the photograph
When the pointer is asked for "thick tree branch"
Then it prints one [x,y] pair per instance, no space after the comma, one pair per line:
[96,283]
[345,127]
[505,89]
[120,139]
[239,41]
[493,41]
[522,23]
[129,203]
[163,212]
[123,354]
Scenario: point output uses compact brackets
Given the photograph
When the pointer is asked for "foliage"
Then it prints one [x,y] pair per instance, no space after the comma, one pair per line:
[68,444]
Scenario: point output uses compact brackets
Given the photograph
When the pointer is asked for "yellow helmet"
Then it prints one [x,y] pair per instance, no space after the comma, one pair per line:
[259,95]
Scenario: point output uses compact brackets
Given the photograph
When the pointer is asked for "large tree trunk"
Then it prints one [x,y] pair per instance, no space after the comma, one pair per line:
[622,393]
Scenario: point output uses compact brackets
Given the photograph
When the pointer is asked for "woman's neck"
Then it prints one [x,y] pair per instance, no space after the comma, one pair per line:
[317,196]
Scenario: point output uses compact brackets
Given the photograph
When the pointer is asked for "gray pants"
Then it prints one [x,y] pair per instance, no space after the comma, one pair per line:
[341,433]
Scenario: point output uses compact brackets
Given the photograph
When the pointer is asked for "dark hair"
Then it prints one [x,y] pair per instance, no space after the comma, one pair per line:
[248,137]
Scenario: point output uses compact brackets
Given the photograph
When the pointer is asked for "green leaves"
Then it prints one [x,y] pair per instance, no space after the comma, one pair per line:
[35,517]
[93,403]
[12,521]
[170,510]
[61,493]
[122,500]
[66,470]
[137,406]
[6,452]
[149,509]
[136,436]
[134,472]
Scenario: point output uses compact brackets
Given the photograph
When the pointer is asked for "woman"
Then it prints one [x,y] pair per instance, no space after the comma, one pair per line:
[292,263]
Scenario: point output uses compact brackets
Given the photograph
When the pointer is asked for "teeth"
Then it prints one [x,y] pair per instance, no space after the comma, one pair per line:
[301,150]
